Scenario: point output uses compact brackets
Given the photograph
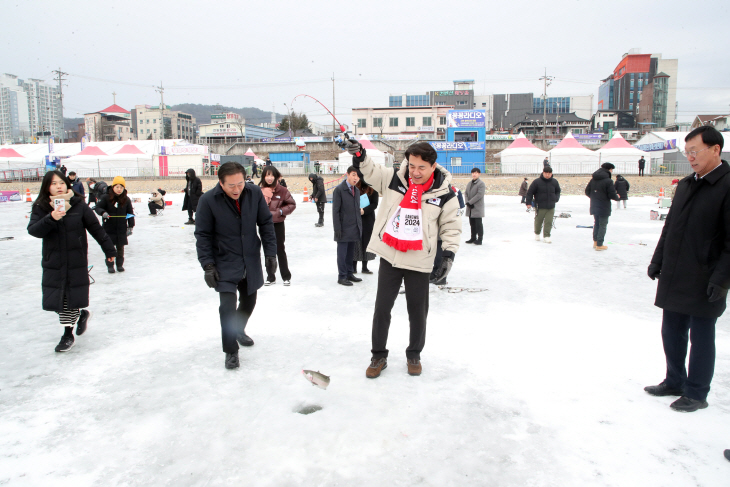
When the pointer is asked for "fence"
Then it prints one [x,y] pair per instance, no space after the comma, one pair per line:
[34,174]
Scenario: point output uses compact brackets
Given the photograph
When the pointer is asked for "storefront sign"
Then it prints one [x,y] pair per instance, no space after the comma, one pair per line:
[458,146]
[452,93]
[466,118]
[426,128]
[655,146]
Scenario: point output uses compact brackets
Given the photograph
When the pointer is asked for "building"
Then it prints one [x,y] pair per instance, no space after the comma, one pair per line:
[720,122]
[14,111]
[637,76]
[582,106]
[112,123]
[28,109]
[461,97]
[417,121]
[555,124]
[225,127]
[508,109]
[465,146]
[149,122]
[605,120]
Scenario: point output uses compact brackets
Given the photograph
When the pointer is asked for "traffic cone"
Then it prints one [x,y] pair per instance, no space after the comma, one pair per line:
[661,195]
[306,195]
[27,196]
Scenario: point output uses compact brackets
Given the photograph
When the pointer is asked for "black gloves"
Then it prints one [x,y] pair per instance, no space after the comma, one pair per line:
[353,147]
[338,235]
[654,270]
[129,231]
[716,292]
[270,262]
[470,205]
[211,275]
[445,267]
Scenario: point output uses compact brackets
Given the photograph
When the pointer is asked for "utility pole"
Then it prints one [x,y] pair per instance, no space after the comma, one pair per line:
[60,79]
[333,108]
[114,94]
[161,91]
[547,80]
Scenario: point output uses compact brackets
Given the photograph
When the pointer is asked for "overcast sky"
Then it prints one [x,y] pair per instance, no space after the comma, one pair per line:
[264,53]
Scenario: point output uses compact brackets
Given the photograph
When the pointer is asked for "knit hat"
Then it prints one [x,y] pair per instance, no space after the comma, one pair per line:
[608,165]
[119,180]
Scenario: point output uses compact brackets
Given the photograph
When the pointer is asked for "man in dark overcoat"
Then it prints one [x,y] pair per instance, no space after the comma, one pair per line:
[193,190]
[319,196]
[228,248]
[692,263]
[347,222]
[601,191]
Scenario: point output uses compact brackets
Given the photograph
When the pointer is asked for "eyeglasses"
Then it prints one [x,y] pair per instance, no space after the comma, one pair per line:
[693,153]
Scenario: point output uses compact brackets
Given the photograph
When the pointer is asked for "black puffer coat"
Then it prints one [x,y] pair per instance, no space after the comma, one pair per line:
[229,239]
[65,248]
[694,249]
[545,191]
[601,191]
[193,191]
[318,188]
[622,187]
[116,225]
[100,189]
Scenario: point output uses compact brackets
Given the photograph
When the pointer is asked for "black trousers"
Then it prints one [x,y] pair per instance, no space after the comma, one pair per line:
[120,257]
[234,320]
[641,171]
[389,281]
[320,210]
[523,200]
[677,330]
[477,228]
[600,223]
[154,207]
[345,257]
[280,253]
[190,212]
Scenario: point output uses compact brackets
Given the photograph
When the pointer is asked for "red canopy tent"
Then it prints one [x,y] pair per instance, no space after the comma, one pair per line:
[8,152]
[91,150]
[129,149]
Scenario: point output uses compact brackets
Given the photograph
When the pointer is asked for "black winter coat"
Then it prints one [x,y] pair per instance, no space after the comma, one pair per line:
[192,192]
[65,249]
[694,249]
[368,218]
[642,162]
[100,189]
[318,190]
[622,187]
[601,191]
[545,191]
[229,239]
[78,186]
[116,225]
[346,218]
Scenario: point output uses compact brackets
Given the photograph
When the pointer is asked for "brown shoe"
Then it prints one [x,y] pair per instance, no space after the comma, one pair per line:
[414,366]
[595,244]
[376,366]
[601,247]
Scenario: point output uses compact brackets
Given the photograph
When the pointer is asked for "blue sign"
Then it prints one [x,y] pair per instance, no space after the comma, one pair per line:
[466,119]
[460,146]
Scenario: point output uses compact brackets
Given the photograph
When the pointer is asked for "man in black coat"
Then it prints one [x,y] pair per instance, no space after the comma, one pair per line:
[96,190]
[347,222]
[193,190]
[229,250]
[692,262]
[254,169]
[546,192]
[601,191]
[642,162]
[319,196]
[76,184]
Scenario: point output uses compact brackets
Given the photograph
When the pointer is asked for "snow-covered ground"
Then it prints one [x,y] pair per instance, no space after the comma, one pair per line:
[538,381]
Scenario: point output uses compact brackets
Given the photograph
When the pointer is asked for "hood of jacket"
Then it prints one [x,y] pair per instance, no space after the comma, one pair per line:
[542,176]
[601,174]
[313,177]
[190,174]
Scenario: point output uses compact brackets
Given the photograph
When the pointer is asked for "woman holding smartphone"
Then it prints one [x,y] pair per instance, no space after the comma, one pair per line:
[61,218]
[114,208]
[281,204]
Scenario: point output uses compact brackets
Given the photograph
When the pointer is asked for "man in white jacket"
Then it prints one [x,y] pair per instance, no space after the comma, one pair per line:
[419,208]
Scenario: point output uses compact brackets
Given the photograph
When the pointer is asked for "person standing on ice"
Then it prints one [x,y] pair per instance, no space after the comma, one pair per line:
[347,223]
[523,190]
[622,190]
[63,229]
[193,190]
[228,249]
[114,209]
[545,190]
[419,207]
[692,263]
[475,190]
[601,191]
[368,222]
[281,204]
[642,163]
[76,184]
[319,196]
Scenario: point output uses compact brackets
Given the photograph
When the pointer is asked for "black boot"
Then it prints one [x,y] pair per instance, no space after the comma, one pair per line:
[120,264]
[365,269]
[354,267]
[110,267]
[320,223]
[471,240]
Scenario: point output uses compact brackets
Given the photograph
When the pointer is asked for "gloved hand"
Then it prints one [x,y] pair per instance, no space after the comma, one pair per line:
[211,275]
[338,235]
[270,262]
[353,147]
[654,271]
[105,215]
[129,231]
[716,292]
[470,205]
[445,267]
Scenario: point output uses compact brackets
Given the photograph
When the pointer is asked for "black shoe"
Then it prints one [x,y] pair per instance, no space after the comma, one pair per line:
[190,222]
[663,390]
[232,361]
[687,405]
[319,224]
[353,278]
[727,454]
[66,343]
[110,268]
[83,320]
[120,268]
[344,282]
[478,242]
[245,340]
[471,240]
[366,271]
[269,282]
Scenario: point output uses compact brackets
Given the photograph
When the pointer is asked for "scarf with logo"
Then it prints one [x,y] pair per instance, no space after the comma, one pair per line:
[404,230]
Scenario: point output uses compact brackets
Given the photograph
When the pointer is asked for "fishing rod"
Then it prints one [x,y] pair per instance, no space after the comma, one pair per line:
[341,142]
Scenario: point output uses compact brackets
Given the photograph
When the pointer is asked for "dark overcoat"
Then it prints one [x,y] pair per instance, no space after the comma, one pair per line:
[116,225]
[229,239]
[318,190]
[622,187]
[192,192]
[368,218]
[65,249]
[474,195]
[601,191]
[545,191]
[694,248]
[346,218]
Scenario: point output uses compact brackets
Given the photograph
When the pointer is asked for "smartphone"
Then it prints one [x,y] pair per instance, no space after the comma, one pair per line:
[59,204]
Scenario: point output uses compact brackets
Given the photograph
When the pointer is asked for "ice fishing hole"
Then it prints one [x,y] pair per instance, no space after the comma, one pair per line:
[308,408]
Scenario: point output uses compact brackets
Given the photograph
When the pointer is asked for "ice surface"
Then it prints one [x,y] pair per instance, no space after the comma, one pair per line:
[536,382]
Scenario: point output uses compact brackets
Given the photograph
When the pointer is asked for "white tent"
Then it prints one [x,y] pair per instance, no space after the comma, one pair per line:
[570,157]
[622,155]
[521,157]
[256,158]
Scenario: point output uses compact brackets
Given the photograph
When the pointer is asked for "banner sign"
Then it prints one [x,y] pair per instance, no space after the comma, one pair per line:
[588,139]
[162,161]
[184,149]
[655,146]
[452,93]
[395,137]
[50,145]
[466,118]
[276,139]
[6,196]
[460,146]
[499,137]
[215,157]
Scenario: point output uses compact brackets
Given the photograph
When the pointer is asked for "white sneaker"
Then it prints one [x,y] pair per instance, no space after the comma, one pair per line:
[287,283]
[547,240]
[537,237]
[269,283]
